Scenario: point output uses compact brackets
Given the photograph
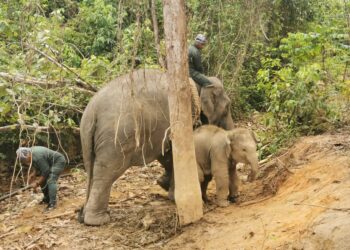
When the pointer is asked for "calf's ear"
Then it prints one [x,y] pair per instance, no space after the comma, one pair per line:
[231,136]
[228,147]
[253,136]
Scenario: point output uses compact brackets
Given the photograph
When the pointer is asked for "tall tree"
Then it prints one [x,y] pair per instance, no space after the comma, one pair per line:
[187,190]
[156,33]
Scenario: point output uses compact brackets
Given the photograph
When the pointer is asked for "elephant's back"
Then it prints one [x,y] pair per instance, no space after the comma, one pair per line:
[129,104]
[140,85]
[216,81]
[206,136]
[135,84]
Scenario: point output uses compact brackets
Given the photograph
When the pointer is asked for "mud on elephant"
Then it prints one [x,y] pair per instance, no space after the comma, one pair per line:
[124,125]
[217,153]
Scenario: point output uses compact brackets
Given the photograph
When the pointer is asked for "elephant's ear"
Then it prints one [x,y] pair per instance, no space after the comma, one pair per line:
[207,101]
[253,136]
[232,136]
[228,147]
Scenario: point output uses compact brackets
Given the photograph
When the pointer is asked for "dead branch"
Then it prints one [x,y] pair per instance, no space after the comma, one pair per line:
[29,80]
[248,203]
[59,215]
[80,81]
[36,239]
[7,234]
[265,160]
[35,128]
[284,165]
[331,208]
[14,193]
[10,194]
[43,84]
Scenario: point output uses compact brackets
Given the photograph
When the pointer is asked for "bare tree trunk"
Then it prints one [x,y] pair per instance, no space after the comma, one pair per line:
[187,188]
[347,17]
[156,33]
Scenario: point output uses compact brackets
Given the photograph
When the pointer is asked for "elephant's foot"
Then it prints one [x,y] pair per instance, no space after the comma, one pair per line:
[205,199]
[171,195]
[81,215]
[96,219]
[222,203]
[164,182]
[232,198]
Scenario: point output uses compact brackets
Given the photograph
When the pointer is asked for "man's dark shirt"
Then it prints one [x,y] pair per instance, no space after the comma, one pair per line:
[43,159]
[196,67]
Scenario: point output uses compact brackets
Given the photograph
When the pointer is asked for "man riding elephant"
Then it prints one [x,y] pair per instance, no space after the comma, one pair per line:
[203,83]
[195,62]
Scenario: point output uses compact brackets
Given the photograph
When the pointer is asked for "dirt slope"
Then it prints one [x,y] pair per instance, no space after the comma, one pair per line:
[311,210]
[300,201]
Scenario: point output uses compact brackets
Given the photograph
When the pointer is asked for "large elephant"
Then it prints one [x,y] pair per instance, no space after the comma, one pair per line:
[125,124]
[217,153]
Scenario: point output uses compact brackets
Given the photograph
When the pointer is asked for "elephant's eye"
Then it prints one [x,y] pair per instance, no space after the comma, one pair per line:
[244,150]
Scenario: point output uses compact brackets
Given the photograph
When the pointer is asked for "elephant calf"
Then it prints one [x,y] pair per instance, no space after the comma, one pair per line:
[217,153]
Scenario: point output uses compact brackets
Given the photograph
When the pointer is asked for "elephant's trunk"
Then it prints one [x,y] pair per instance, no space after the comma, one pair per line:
[229,122]
[254,163]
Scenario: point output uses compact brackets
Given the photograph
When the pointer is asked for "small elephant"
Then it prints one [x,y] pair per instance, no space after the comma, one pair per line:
[217,153]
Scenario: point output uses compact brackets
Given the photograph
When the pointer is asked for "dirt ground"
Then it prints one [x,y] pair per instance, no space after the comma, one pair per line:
[301,200]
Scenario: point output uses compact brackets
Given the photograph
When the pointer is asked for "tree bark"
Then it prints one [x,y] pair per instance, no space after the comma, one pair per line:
[156,33]
[187,189]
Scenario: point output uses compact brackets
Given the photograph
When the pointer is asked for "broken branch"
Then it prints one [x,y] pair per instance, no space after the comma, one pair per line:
[66,68]
[29,127]
[332,208]
[44,84]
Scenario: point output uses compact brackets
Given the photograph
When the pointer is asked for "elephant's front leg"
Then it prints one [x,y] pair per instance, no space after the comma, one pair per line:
[167,162]
[233,182]
[220,173]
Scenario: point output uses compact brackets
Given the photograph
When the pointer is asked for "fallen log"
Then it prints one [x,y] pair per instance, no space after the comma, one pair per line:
[30,127]
[10,194]
[46,84]
[13,193]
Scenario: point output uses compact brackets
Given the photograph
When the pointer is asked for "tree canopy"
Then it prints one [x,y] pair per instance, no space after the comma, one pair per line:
[287,60]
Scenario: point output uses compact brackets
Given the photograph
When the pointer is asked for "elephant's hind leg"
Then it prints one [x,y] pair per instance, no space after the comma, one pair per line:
[233,183]
[95,211]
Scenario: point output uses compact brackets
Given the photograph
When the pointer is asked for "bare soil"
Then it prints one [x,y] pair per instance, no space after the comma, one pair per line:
[301,200]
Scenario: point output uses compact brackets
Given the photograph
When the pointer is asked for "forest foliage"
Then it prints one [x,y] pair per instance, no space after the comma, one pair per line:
[283,62]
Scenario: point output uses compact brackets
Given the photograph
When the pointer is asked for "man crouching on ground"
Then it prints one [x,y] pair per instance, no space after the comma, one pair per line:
[48,165]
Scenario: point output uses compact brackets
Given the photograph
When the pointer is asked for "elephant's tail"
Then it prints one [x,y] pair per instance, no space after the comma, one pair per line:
[196,103]
[87,131]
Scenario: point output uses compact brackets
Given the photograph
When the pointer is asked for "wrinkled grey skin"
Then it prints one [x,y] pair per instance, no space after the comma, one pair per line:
[125,124]
[216,105]
[217,153]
